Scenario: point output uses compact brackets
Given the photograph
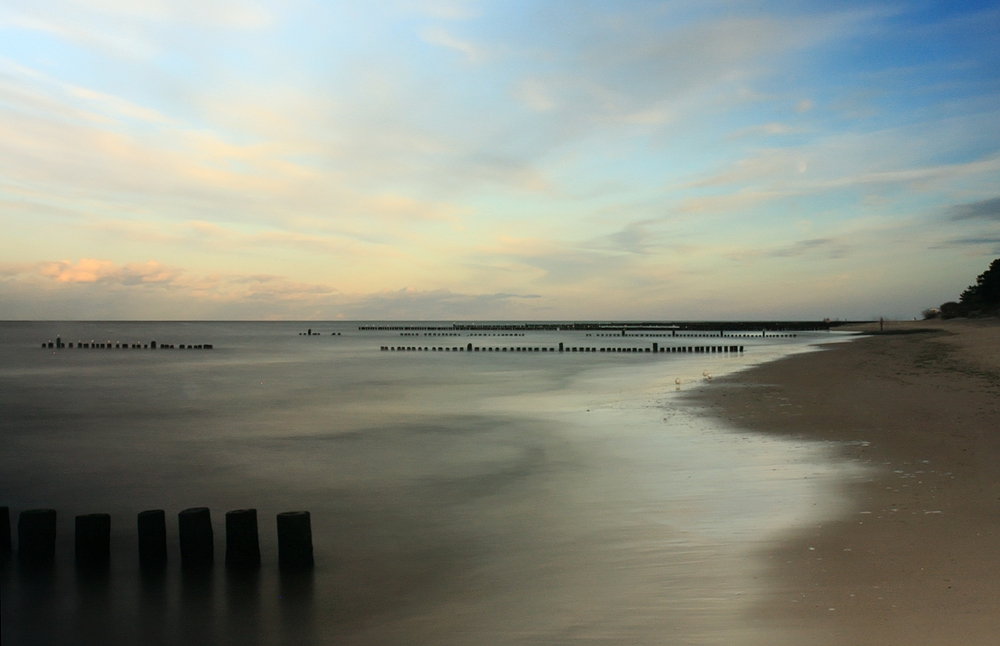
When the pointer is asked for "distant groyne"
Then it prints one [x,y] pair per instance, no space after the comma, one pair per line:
[654,348]
[59,344]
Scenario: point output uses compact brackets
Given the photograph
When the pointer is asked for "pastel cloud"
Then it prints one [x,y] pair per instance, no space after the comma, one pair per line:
[89,270]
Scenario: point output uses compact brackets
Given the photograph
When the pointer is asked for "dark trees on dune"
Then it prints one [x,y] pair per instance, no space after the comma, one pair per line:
[981,299]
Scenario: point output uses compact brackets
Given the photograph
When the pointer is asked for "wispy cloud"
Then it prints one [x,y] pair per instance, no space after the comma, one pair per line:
[988,209]
[440,37]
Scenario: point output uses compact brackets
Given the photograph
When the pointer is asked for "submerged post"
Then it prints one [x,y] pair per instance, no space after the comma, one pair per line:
[195,526]
[93,540]
[5,549]
[295,550]
[152,538]
[242,546]
[36,536]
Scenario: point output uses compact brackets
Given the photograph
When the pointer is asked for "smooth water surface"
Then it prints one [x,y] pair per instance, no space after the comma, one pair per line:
[456,498]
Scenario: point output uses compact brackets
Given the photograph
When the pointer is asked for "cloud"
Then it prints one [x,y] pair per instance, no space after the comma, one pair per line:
[64,289]
[440,304]
[89,270]
[978,242]
[645,61]
[831,247]
[128,29]
[442,9]
[767,129]
[535,95]
[982,210]
[438,36]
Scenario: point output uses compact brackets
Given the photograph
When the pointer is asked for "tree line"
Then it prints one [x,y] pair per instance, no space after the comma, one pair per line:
[981,299]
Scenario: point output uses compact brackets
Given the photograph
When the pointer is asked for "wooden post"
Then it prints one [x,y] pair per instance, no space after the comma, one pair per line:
[5,549]
[295,550]
[93,541]
[197,539]
[242,546]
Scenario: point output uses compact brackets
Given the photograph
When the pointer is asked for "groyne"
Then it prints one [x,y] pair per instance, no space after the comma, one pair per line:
[655,348]
[37,533]
[59,344]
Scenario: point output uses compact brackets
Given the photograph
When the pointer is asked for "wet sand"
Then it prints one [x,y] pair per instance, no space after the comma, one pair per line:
[917,560]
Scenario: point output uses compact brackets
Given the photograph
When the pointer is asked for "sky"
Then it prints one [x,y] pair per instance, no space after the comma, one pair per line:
[472,159]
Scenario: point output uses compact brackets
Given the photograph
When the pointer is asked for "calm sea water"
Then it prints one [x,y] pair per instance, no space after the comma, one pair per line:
[456,498]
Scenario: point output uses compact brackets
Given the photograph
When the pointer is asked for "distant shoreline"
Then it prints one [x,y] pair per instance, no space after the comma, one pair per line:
[917,559]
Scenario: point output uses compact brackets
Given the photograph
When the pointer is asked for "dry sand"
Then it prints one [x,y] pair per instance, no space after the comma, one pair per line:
[918,559]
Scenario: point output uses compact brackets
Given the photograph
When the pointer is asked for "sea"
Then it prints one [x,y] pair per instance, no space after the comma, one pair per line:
[503,495]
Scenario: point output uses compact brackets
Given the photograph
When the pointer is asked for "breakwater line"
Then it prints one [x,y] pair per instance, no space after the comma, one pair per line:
[655,348]
[37,533]
[59,344]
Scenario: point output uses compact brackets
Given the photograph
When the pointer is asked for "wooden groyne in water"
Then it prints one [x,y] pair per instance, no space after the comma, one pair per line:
[36,539]
[58,344]
[655,348]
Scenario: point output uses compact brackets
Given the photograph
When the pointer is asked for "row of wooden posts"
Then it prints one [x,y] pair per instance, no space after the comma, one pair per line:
[36,538]
[656,348]
[58,345]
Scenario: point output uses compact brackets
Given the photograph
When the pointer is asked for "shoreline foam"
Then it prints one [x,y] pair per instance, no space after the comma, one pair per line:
[918,562]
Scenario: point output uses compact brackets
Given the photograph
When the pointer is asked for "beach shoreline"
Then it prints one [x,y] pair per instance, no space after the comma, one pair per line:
[915,561]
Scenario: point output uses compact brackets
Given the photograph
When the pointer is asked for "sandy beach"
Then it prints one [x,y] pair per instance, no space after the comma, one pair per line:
[917,561]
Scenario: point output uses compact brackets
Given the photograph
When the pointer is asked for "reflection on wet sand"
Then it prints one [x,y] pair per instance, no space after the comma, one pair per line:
[156,606]
[296,607]
[153,608]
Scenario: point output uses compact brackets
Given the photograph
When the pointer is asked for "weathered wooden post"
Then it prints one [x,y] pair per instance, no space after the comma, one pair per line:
[197,540]
[93,541]
[5,549]
[242,546]
[295,550]
[36,536]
